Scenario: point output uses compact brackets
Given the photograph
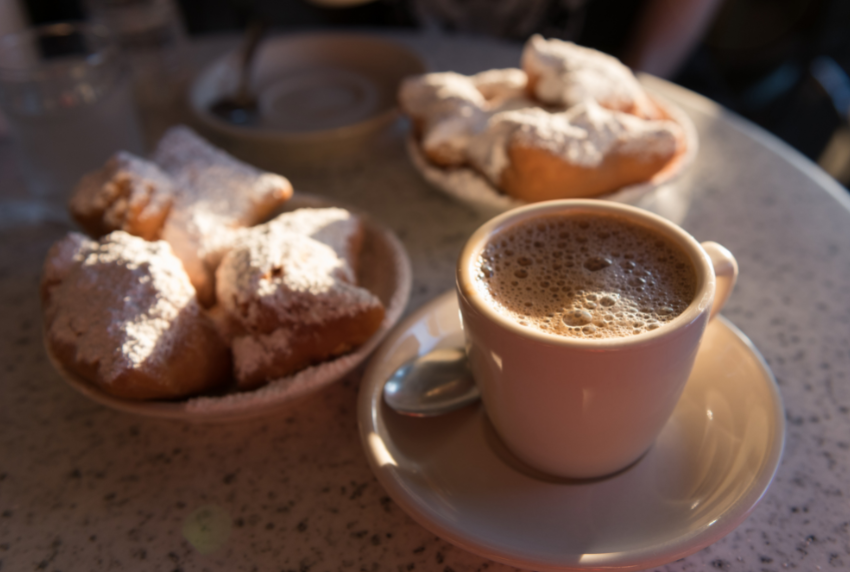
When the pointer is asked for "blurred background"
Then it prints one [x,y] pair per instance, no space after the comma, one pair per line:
[782,64]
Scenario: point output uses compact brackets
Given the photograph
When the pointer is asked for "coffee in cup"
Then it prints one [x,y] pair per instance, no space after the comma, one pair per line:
[582,321]
[585,276]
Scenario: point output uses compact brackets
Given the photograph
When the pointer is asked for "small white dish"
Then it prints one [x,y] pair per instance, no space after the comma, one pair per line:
[660,195]
[712,463]
[321,95]
[384,269]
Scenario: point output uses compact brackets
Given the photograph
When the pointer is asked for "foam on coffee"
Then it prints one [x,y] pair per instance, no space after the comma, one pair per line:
[586,276]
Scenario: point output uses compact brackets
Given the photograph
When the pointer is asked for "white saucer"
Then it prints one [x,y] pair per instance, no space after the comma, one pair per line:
[710,466]
[384,269]
[660,195]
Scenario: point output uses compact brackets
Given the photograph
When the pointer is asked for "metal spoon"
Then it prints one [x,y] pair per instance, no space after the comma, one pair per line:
[241,107]
[432,384]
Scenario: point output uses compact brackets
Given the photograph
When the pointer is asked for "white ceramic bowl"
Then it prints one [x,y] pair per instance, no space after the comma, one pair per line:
[321,95]
[384,269]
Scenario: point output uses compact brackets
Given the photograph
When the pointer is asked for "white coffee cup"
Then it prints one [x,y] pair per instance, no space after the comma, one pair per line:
[584,408]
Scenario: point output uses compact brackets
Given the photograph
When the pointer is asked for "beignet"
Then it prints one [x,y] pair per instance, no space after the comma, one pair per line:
[289,289]
[218,194]
[574,122]
[128,193]
[534,155]
[563,74]
[444,108]
[121,313]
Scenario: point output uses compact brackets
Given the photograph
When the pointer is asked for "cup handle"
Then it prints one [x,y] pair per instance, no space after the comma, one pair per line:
[726,271]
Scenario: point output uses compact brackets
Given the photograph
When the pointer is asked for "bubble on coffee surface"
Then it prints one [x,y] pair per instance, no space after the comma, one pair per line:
[586,276]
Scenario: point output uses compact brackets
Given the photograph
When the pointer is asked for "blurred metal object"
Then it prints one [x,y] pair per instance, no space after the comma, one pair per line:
[242,107]
[835,81]
[835,158]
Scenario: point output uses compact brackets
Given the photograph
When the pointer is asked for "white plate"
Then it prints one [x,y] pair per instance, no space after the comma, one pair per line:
[384,270]
[660,195]
[710,466]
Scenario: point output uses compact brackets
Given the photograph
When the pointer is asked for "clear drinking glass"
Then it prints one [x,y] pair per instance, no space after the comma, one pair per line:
[153,41]
[67,97]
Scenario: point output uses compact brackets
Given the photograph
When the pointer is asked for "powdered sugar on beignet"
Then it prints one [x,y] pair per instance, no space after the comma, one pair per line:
[448,109]
[428,97]
[128,193]
[335,227]
[564,74]
[498,85]
[582,139]
[285,278]
[122,313]
[143,281]
[61,259]
[295,299]
[586,133]
[255,356]
[218,194]
[445,109]
[213,181]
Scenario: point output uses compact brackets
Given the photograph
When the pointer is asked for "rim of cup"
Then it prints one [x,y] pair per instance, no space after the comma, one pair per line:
[699,305]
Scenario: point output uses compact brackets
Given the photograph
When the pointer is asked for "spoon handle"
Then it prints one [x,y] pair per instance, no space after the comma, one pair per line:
[256,30]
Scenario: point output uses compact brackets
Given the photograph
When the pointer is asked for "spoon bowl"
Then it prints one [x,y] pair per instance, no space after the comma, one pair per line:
[435,383]
[237,111]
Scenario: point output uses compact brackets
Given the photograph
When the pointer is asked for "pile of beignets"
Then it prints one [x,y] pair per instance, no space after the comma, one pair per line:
[572,122]
[182,289]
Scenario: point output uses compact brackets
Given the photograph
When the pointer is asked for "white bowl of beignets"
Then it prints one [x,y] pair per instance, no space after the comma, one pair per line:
[183,303]
[571,123]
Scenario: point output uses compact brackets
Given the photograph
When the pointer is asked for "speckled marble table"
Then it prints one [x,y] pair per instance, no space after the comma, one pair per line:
[85,488]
